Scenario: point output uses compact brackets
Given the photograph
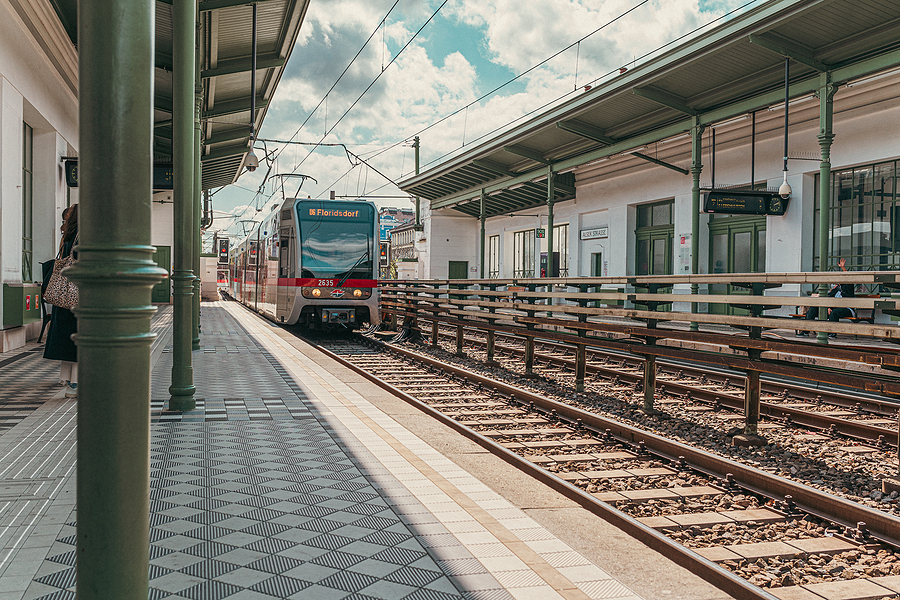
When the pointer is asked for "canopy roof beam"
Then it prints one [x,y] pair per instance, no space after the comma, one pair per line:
[788,49]
[661,163]
[527,153]
[666,99]
[489,165]
[586,131]
[227,136]
[233,107]
[242,65]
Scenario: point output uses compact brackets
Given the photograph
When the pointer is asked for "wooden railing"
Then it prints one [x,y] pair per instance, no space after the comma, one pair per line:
[647,316]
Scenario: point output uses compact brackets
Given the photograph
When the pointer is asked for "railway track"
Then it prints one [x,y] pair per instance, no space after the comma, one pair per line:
[752,533]
[865,418]
[822,456]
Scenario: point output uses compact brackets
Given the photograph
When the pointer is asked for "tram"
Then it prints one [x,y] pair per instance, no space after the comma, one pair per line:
[311,262]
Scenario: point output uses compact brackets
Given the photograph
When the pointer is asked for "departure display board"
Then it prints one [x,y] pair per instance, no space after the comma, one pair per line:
[744,203]
[163,175]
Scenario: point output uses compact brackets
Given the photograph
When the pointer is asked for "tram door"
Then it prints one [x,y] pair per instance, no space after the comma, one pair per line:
[737,245]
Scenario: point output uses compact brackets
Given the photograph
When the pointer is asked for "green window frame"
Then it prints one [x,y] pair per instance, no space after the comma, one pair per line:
[494,257]
[523,254]
[27,202]
[864,219]
[654,238]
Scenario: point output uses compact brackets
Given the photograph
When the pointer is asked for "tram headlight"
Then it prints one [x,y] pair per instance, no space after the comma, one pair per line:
[357,293]
[316,292]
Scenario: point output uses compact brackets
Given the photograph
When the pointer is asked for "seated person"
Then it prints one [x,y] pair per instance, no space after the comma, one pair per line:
[844,290]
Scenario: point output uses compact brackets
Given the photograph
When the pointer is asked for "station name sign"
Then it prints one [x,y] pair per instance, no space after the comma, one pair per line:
[163,175]
[738,202]
[595,234]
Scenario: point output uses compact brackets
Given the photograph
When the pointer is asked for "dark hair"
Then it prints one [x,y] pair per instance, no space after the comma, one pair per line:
[70,225]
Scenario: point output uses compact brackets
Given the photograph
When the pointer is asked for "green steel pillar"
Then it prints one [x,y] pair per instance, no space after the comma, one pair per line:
[115,273]
[482,234]
[198,235]
[418,218]
[182,388]
[550,199]
[826,136]
[696,169]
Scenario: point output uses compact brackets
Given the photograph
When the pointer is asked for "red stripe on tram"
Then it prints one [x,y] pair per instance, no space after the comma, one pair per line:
[329,283]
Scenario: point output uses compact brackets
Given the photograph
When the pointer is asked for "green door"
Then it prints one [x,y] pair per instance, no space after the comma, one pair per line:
[736,245]
[163,258]
[458,269]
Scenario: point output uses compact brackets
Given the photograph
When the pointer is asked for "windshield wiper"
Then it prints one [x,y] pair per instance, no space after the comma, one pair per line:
[350,270]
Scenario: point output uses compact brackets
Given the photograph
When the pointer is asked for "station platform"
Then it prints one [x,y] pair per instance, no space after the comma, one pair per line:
[297,478]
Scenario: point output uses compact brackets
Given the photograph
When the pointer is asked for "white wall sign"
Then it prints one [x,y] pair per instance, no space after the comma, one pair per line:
[684,253]
[595,234]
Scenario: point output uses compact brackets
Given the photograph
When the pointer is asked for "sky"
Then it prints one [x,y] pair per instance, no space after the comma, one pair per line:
[432,68]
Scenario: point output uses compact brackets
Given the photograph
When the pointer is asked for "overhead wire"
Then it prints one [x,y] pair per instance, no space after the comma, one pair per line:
[344,72]
[480,98]
[557,99]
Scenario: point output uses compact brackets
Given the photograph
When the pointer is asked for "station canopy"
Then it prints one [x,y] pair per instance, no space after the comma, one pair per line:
[225,46]
[722,74]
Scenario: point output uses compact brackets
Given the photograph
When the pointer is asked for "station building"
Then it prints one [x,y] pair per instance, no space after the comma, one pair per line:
[39,135]
[614,179]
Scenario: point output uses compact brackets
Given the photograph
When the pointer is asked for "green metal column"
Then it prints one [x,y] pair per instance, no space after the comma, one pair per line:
[482,235]
[182,388]
[696,169]
[550,199]
[826,136]
[198,235]
[418,218]
[115,273]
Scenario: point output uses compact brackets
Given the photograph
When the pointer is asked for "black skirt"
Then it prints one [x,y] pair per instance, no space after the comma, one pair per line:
[63,324]
[59,344]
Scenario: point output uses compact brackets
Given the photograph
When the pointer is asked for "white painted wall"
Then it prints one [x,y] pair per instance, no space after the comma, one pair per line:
[33,90]
[451,237]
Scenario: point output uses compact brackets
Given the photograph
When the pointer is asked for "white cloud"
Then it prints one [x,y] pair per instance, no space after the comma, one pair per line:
[421,89]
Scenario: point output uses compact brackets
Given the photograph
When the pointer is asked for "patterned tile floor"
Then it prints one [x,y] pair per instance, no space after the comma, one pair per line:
[270,507]
[285,483]
[27,380]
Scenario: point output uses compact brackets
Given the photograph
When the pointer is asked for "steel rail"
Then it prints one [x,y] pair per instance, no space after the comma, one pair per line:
[882,526]
[717,576]
[798,416]
[886,407]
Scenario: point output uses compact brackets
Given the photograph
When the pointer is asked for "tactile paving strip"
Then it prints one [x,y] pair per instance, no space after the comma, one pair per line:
[325,531]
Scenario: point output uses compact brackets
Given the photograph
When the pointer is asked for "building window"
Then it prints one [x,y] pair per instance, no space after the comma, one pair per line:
[561,245]
[494,257]
[864,220]
[523,254]
[654,238]
[27,203]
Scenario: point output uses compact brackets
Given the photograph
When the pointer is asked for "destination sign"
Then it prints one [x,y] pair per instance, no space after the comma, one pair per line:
[324,212]
[737,202]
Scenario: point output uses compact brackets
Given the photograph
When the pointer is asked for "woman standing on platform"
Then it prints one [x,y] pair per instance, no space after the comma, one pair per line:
[59,344]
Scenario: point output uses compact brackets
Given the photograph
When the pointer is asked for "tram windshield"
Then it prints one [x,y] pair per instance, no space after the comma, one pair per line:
[336,239]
